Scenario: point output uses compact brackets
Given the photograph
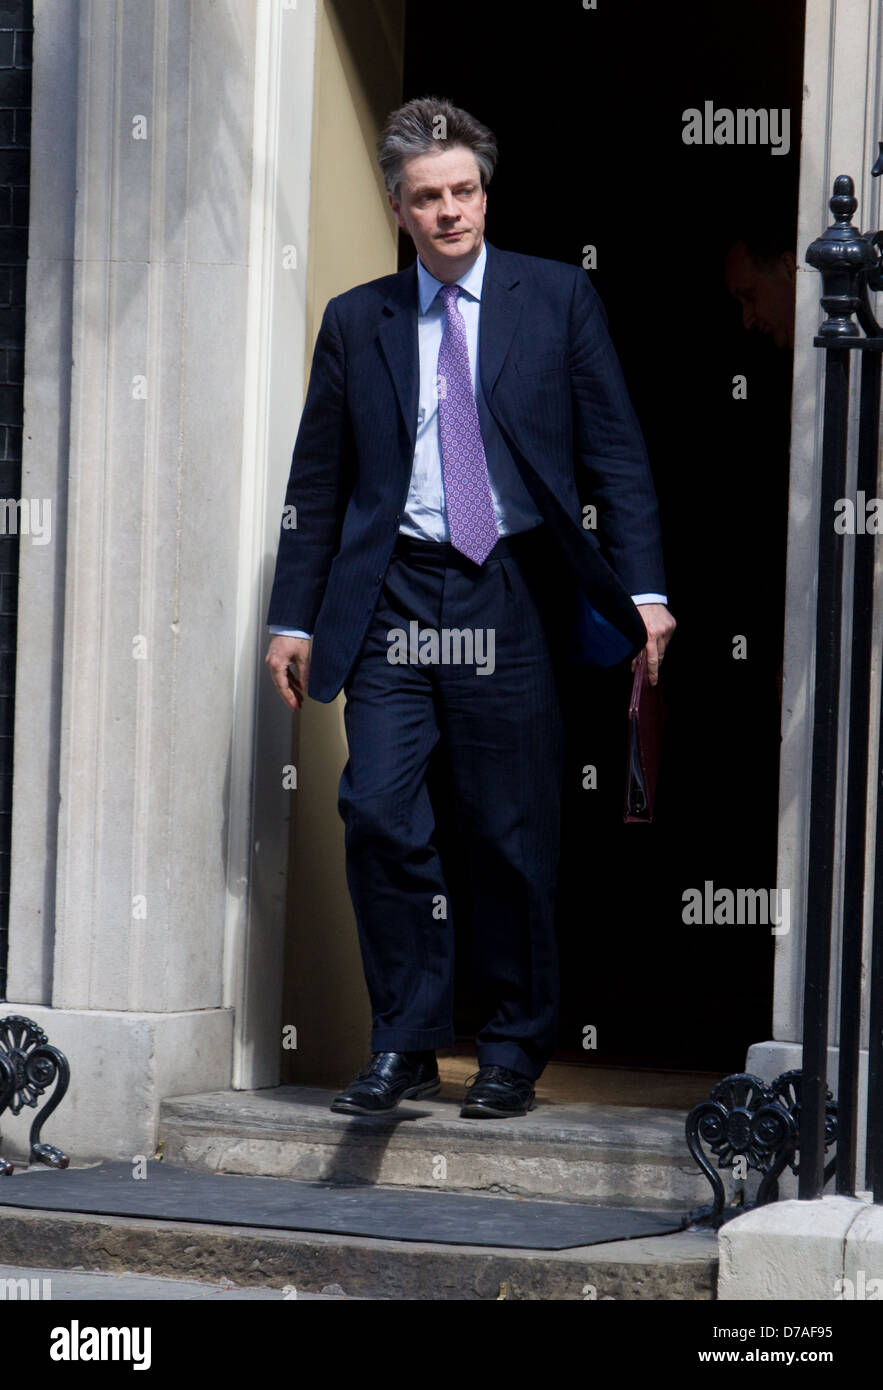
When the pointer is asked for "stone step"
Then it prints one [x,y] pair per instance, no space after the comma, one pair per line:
[682,1266]
[613,1155]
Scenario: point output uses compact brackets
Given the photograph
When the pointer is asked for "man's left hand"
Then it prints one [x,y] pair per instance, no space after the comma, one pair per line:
[660,627]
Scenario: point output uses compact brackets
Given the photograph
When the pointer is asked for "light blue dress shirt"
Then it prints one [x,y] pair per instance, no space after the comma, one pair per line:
[424,515]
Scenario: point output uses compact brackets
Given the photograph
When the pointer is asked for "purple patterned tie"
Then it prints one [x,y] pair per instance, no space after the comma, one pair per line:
[468,500]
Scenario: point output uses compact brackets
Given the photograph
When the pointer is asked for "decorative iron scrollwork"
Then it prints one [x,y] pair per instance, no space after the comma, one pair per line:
[28,1066]
[744,1118]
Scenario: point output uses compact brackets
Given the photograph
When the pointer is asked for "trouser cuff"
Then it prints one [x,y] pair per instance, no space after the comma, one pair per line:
[410,1039]
[503,1054]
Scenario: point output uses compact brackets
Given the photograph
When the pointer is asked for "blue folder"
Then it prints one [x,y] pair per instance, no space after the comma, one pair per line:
[598,642]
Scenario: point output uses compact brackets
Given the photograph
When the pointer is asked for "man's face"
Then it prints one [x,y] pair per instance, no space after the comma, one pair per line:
[441,205]
[766,295]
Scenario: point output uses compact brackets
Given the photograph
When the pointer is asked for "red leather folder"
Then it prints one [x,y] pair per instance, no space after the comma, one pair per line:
[646,719]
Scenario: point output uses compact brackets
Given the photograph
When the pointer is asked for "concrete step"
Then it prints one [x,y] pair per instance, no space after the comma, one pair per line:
[609,1154]
[31,1282]
[682,1266]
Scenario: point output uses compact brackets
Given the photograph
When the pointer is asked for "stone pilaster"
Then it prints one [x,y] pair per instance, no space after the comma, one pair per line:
[137,934]
[840,128]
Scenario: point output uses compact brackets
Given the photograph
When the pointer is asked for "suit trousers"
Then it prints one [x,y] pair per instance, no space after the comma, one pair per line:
[497,723]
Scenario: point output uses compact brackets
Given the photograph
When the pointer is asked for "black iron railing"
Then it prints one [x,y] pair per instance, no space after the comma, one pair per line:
[850,265]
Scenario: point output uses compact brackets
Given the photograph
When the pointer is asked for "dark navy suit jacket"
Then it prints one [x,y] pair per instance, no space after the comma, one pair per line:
[551,380]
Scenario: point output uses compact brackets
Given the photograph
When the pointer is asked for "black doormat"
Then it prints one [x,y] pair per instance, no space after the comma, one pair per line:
[170,1193]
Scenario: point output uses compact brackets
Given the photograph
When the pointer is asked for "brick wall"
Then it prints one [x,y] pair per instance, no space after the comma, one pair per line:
[16,22]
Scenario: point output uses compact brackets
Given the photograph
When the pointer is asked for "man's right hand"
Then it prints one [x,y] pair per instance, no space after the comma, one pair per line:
[282,653]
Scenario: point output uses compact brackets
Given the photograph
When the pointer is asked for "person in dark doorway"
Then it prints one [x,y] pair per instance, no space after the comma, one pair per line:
[434,481]
[762,275]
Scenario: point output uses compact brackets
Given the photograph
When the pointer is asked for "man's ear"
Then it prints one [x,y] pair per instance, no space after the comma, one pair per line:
[396,208]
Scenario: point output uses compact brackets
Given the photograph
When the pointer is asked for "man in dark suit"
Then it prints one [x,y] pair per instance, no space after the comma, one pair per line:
[437,561]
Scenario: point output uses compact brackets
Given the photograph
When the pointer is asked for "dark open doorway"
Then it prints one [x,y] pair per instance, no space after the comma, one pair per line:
[588,110]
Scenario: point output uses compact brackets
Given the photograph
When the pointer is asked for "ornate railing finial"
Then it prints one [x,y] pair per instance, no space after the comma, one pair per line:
[844,258]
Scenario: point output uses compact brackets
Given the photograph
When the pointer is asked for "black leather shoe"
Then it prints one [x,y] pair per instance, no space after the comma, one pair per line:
[496,1093]
[389,1078]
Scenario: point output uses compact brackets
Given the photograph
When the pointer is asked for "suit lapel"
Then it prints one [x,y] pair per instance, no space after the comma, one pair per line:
[500,312]
[398,340]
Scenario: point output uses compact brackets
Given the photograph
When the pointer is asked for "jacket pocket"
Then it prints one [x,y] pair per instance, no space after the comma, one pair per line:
[545,362]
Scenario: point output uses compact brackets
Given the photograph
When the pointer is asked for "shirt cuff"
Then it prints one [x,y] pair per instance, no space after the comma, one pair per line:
[288,632]
[649,598]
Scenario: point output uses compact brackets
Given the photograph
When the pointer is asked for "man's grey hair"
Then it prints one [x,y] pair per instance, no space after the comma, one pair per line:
[431,123]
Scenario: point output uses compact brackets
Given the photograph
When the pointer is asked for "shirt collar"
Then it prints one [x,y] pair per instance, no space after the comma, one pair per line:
[471,282]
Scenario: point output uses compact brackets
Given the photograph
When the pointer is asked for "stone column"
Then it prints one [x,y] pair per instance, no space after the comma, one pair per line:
[841,125]
[145,359]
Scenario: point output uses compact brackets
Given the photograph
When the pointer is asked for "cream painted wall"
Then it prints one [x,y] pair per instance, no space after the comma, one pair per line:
[353,238]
